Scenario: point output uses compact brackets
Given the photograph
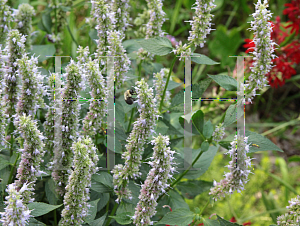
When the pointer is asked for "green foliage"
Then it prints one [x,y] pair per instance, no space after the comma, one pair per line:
[180,217]
[40,208]
[160,46]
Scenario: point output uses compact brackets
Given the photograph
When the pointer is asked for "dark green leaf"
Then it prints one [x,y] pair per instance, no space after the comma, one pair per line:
[233,113]
[202,59]
[50,192]
[254,138]
[3,163]
[188,124]
[93,35]
[172,85]
[204,146]
[92,211]
[42,51]
[208,130]
[225,81]
[180,217]
[99,187]
[125,207]
[209,222]
[104,178]
[98,222]
[40,208]
[199,88]
[132,45]
[160,46]
[123,218]
[34,222]
[225,222]
[176,201]
[47,22]
[177,102]
[198,121]
[190,189]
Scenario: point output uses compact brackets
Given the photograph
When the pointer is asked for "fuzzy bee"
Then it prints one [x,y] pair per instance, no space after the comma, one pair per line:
[128,96]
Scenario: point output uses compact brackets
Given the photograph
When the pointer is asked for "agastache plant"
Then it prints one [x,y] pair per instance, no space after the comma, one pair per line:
[292,217]
[121,9]
[94,119]
[32,89]
[32,154]
[23,19]
[156,182]
[263,50]
[14,50]
[219,132]
[142,129]
[77,191]
[157,18]
[70,116]
[5,19]
[238,166]
[16,211]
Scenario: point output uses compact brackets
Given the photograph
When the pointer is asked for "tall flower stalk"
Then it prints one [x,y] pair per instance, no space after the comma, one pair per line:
[77,191]
[159,85]
[238,166]
[156,181]
[70,116]
[263,50]
[32,87]
[121,9]
[24,20]
[142,129]
[157,18]
[5,19]
[16,211]
[14,50]
[32,154]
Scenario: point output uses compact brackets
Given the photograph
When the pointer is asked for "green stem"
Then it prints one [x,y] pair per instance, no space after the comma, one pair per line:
[166,85]
[140,70]
[13,169]
[112,213]
[55,217]
[130,121]
[182,175]
[72,36]
[204,208]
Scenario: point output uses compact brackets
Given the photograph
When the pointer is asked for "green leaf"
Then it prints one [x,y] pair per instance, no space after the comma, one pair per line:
[176,201]
[225,81]
[202,59]
[182,121]
[125,207]
[93,35]
[203,162]
[198,121]
[98,222]
[34,222]
[208,130]
[254,138]
[177,102]
[270,205]
[199,88]
[190,189]
[204,146]
[161,127]
[50,192]
[92,211]
[180,217]
[47,22]
[172,85]
[225,43]
[160,46]
[40,208]
[104,178]
[4,163]
[233,113]
[42,51]
[132,45]
[225,222]
[209,222]
[123,218]
[101,188]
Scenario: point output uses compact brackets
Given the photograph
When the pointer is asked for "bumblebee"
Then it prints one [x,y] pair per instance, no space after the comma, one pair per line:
[128,96]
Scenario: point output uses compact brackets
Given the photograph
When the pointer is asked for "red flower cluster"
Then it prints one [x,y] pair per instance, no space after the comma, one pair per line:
[289,54]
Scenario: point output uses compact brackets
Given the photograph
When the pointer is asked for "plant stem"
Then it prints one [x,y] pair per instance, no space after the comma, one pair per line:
[55,217]
[130,121]
[13,169]
[166,85]
[140,70]
[182,175]
[204,208]
[112,213]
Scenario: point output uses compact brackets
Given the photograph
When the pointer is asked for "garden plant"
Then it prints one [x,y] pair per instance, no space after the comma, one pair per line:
[123,112]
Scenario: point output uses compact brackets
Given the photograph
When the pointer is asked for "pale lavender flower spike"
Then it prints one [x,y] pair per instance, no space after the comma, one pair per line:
[292,217]
[238,166]
[156,182]
[263,51]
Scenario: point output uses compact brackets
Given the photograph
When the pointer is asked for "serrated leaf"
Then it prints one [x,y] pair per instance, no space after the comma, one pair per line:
[208,129]
[34,222]
[202,59]
[160,46]
[98,222]
[190,189]
[3,163]
[233,113]
[264,144]
[225,81]
[42,51]
[177,102]
[198,121]
[40,208]
[180,217]
[123,218]
[176,201]
[225,222]
[92,211]
[50,192]
[104,178]
[182,121]
[199,88]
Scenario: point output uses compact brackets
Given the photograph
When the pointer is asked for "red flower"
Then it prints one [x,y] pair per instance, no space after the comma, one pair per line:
[293,12]
[234,220]
[249,44]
